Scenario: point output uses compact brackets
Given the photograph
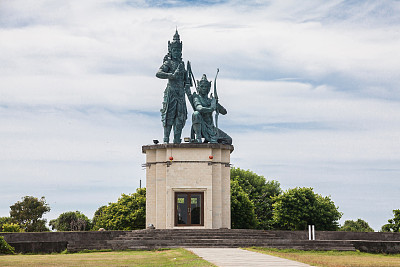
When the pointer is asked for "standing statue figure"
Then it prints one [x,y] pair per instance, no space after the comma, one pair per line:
[174,112]
[202,119]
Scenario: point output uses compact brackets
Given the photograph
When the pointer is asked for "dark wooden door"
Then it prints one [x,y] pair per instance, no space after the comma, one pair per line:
[189,208]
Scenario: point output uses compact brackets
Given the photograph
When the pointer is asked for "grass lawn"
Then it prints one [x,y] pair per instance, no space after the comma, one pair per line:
[333,258]
[168,257]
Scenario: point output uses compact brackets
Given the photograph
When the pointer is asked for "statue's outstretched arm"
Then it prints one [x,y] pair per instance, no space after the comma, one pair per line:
[222,110]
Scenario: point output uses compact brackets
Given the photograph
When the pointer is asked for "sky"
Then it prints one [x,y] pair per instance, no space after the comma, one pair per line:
[312,93]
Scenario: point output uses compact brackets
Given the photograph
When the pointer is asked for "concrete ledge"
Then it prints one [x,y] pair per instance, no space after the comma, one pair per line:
[187,145]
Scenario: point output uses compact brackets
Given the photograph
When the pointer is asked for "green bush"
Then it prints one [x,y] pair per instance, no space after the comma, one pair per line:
[5,248]
[5,220]
[128,213]
[356,226]
[12,227]
[71,221]
[260,192]
[298,207]
[242,209]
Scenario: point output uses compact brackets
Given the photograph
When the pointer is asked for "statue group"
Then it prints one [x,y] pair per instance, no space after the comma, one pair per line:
[174,110]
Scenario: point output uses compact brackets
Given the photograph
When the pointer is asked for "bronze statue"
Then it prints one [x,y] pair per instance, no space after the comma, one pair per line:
[174,112]
[202,118]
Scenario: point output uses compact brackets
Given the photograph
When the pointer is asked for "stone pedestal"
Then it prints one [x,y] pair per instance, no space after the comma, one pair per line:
[188,185]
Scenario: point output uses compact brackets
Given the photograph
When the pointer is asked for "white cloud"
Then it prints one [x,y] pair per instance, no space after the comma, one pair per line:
[120,92]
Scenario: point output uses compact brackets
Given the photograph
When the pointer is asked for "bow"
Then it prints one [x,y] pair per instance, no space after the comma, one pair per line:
[190,77]
[190,80]
[216,98]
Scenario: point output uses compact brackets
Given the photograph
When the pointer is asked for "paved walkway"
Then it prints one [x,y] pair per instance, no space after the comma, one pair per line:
[239,257]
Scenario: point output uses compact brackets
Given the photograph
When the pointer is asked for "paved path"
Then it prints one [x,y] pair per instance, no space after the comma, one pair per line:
[239,257]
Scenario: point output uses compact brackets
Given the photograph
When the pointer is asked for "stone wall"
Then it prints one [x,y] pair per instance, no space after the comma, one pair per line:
[48,242]
[339,235]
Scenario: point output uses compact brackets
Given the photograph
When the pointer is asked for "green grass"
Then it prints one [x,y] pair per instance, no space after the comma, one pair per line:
[166,257]
[333,258]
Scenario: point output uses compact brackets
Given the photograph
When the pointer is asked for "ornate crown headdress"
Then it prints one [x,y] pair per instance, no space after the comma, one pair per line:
[204,81]
[176,43]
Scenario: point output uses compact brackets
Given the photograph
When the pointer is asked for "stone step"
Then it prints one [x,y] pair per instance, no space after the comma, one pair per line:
[196,234]
[187,242]
[241,231]
[295,244]
[242,240]
[172,238]
[195,238]
[206,245]
[199,232]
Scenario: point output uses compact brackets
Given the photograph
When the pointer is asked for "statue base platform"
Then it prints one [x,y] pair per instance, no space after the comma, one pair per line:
[188,185]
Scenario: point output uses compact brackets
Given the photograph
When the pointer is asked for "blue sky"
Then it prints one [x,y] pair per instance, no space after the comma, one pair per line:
[312,93]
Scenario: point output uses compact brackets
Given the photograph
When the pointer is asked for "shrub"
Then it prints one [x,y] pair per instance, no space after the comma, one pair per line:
[128,213]
[242,209]
[5,220]
[12,227]
[5,248]
[356,226]
[298,207]
[260,192]
[71,221]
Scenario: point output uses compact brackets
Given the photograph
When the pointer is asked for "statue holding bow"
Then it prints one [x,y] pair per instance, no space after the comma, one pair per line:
[202,118]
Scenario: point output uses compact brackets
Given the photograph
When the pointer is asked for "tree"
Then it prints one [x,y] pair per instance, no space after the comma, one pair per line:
[260,192]
[71,221]
[393,225]
[356,226]
[298,207]
[98,216]
[242,209]
[128,213]
[28,213]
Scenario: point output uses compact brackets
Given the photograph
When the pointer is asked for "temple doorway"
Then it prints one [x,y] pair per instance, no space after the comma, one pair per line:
[189,208]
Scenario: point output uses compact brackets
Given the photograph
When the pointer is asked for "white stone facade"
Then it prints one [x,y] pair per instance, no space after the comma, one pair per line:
[186,167]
